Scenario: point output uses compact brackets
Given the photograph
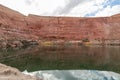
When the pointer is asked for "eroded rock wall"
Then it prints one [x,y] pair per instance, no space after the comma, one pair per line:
[74,28]
[15,25]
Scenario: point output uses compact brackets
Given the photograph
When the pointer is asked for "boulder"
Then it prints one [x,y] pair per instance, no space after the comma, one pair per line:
[9,73]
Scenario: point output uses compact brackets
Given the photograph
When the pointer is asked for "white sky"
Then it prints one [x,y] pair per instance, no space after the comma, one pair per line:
[80,8]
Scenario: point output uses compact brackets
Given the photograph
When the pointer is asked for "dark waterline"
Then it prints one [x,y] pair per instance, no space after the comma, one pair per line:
[63,58]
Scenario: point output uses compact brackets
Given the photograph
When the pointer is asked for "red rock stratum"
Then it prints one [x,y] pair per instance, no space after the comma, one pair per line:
[14,25]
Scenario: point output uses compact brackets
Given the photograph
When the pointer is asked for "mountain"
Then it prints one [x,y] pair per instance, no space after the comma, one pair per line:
[14,25]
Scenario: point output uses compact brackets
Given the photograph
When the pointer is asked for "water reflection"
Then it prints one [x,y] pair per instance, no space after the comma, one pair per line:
[63,57]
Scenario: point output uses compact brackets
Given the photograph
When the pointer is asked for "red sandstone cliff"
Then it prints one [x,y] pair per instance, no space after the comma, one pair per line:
[14,25]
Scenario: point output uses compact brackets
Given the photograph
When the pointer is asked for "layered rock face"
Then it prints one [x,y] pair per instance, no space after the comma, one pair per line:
[14,25]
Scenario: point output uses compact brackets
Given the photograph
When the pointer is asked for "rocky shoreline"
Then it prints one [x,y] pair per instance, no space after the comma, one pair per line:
[17,44]
[10,73]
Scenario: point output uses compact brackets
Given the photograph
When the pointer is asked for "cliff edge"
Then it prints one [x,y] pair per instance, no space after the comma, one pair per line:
[14,25]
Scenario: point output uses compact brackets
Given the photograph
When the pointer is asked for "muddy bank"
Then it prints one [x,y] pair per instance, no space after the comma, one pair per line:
[9,73]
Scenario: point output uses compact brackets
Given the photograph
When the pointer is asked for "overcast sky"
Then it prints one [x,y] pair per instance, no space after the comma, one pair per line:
[79,8]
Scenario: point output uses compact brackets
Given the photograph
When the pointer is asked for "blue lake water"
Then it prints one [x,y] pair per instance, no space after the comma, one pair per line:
[73,57]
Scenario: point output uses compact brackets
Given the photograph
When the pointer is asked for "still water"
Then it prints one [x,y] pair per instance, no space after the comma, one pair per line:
[63,58]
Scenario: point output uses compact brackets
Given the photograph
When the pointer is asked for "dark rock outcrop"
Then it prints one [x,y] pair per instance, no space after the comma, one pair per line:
[17,44]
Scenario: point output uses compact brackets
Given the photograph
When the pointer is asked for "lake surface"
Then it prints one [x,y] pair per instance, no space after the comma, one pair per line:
[63,58]
[74,75]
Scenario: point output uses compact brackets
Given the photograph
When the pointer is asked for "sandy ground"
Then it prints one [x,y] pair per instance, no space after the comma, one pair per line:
[9,73]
